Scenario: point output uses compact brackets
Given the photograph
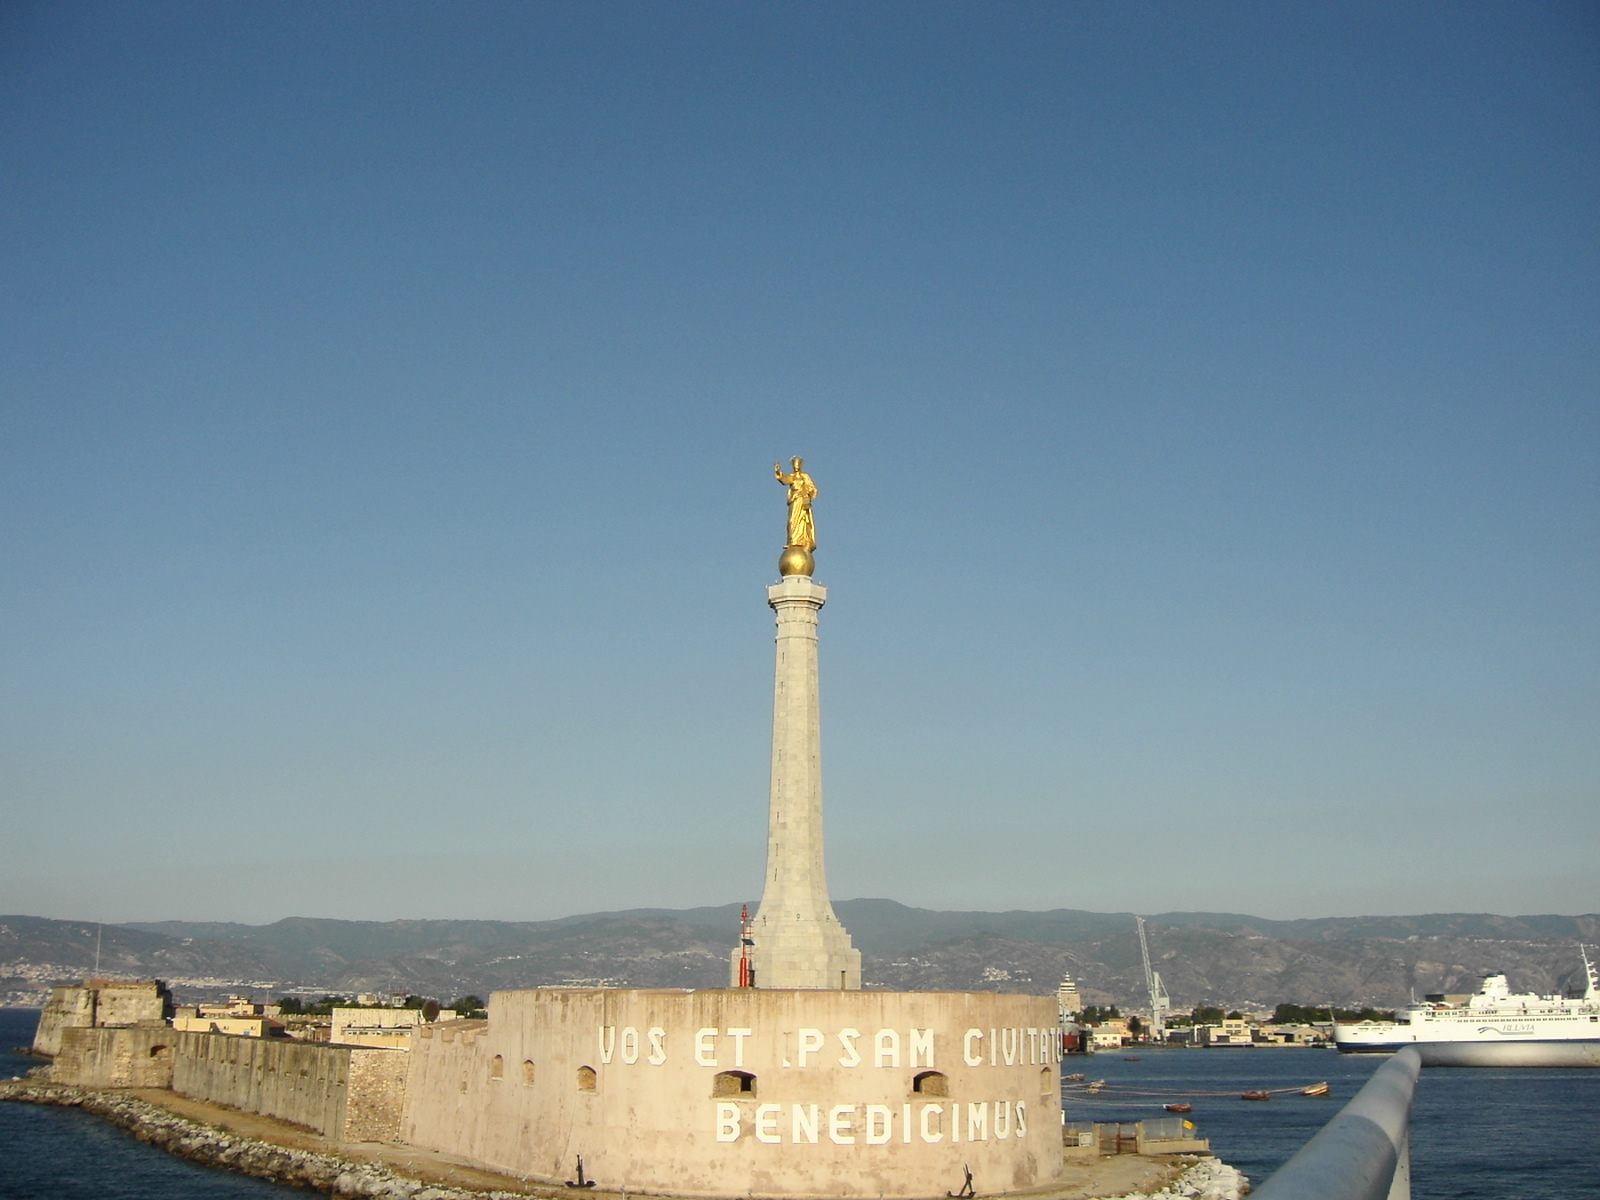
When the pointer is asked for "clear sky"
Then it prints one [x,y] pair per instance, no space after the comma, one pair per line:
[1203,398]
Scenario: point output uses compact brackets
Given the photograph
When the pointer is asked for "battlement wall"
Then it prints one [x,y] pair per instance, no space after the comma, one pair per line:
[749,1091]
[96,1003]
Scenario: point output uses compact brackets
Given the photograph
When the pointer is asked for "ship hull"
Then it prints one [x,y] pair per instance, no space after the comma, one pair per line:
[1490,1054]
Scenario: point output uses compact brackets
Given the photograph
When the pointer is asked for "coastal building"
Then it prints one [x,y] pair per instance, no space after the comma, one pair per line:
[380,1026]
[235,1026]
[1234,1031]
[233,1006]
[1107,1037]
[1068,1002]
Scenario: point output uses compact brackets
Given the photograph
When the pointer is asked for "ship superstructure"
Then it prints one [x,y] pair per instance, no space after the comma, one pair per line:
[1496,1027]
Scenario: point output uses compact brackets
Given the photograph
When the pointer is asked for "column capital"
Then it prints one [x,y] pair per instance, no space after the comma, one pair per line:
[797,589]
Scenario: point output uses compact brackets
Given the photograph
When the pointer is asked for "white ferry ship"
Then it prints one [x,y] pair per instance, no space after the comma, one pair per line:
[1495,1028]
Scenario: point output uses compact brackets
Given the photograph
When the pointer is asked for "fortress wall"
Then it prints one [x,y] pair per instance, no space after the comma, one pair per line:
[67,1008]
[98,1002]
[137,1057]
[342,1092]
[130,1003]
[377,1096]
[763,1092]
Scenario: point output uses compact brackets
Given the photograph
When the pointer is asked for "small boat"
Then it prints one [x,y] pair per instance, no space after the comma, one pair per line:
[1180,1107]
[1256,1096]
[1076,1078]
[1097,1085]
[1130,1058]
[1316,1089]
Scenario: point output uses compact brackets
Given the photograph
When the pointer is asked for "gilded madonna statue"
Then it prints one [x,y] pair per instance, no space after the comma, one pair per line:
[802,491]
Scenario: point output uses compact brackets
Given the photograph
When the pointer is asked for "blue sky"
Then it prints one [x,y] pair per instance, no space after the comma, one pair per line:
[1203,400]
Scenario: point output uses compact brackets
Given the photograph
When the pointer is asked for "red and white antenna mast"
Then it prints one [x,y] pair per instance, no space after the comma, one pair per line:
[747,972]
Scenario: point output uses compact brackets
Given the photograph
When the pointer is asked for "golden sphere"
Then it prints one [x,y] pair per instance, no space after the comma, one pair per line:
[795,560]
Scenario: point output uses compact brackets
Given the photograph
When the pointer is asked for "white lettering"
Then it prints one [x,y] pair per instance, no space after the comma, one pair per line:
[921,1045]
[767,1123]
[805,1125]
[704,1052]
[738,1036]
[1033,1046]
[880,1123]
[886,1049]
[658,1045]
[977,1122]
[810,1042]
[608,1043]
[839,1117]
[630,1045]
[972,1060]
[994,1049]
[848,1039]
[932,1110]
[1022,1119]
[727,1122]
[1002,1119]
[1008,1045]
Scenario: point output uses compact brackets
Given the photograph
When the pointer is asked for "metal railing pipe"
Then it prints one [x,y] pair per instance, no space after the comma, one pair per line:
[1364,1152]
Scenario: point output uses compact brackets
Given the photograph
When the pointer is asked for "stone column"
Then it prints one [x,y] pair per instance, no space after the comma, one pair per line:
[799,942]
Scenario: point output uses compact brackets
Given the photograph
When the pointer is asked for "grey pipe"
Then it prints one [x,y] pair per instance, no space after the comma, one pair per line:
[1364,1152]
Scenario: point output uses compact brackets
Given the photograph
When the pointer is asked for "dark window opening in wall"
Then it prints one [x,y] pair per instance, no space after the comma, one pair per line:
[527,1072]
[733,1083]
[586,1079]
[497,1067]
[1047,1083]
[931,1083]
[160,1051]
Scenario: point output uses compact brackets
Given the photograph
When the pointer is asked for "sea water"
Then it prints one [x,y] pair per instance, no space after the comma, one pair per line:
[1491,1133]
[51,1153]
[1494,1134]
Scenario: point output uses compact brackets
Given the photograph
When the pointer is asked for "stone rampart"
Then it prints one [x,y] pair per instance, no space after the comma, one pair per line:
[347,1093]
[99,1002]
[749,1092]
[139,1057]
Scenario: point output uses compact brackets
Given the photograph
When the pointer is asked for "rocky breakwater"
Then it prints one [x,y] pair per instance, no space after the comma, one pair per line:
[1208,1179]
[217,1148]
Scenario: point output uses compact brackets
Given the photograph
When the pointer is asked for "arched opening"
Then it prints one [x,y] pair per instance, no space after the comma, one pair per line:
[931,1083]
[527,1071]
[1048,1084]
[586,1079]
[497,1067]
[733,1083]
[160,1051]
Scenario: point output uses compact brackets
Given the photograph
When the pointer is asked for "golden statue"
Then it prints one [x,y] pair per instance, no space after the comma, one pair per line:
[796,558]
[802,491]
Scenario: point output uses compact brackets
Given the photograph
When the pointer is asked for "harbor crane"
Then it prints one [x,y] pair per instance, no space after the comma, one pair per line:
[1159,1002]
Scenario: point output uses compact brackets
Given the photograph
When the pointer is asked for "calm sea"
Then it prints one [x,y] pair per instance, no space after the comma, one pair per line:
[1496,1134]
[1490,1134]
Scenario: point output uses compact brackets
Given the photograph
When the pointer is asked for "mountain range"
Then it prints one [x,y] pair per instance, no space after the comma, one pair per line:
[1225,959]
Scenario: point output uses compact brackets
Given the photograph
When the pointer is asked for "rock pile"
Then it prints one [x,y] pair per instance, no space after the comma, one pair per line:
[1208,1179]
[217,1148]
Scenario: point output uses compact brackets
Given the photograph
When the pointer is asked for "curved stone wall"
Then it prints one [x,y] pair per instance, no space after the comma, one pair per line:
[749,1092]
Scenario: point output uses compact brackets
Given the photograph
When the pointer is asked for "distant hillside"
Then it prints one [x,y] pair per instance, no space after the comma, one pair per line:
[1219,958]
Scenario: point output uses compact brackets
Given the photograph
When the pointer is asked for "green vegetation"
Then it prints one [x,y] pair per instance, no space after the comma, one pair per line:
[1095,1015]
[469,1006]
[1311,1014]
